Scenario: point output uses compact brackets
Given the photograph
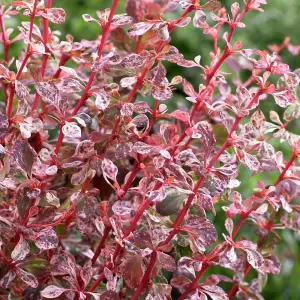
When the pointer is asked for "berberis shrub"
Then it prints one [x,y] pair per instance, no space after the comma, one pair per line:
[106,196]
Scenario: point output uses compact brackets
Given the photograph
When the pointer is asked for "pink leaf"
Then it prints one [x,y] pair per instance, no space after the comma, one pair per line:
[24,155]
[284,98]
[63,263]
[133,271]
[121,20]
[199,19]
[3,125]
[55,15]
[109,169]
[254,258]
[28,278]
[46,239]
[102,100]
[49,92]
[161,92]
[181,116]
[133,61]
[7,279]
[21,250]
[52,291]
[139,28]
[142,148]
[229,226]
[72,130]
[251,161]
[166,261]
[142,239]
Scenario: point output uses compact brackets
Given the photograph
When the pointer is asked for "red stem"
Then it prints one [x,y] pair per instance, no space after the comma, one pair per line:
[153,118]
[134,171]
[211,74]
[146,276]
[147,68]
[235,287]
[137,217]
[45,56]
[287,166]
[142,208]
[59,139]
[27,216]
[194,282]
[97,282]
[6,46]
[233,291]
[84,96]
[27,56]
[224,146]
[6,41]
[242,220]
[176,225]
[147,202]
[104,37]
[118,248]
[202,178]
[101,244]
[64,58]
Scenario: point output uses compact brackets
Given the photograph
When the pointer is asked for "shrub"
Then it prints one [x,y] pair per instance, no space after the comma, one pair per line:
[106,196]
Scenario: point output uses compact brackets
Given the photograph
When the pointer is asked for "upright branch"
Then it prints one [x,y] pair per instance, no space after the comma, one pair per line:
[24,62]
[46,33]
[113,176]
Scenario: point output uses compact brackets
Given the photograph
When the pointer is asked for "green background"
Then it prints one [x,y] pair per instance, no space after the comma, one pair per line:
[281,19]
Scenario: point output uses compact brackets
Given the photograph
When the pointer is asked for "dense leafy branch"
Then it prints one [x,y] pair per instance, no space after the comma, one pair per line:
[101,194]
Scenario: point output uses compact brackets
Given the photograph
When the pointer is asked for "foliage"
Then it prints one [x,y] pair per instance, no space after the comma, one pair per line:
[107,194]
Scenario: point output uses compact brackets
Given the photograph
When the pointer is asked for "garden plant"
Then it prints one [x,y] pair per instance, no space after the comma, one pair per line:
[110,186]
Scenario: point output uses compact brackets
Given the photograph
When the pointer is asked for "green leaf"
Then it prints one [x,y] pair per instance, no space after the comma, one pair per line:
[172,203]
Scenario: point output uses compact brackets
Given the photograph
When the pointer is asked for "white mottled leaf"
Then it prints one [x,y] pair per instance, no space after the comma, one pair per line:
[28,278]
[52,291]
[52,170]
[251,161]
[46,239]
[52,198]
[109,169]
[21,250]
[139,28]
[102,100]
[71,129]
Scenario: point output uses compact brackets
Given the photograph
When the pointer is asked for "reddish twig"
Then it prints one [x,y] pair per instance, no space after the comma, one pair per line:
[6,41]
[202,177]
[101,244]
[242,220]
[6,46]
[226,53]
[287,166]
[105,33]
[194,282]
[97,282]
[45,56]
[27,56]
[143,75]
[63,60]
[146,276]
[235,287]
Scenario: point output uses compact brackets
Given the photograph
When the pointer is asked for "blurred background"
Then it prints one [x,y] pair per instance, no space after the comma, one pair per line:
[281,19]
